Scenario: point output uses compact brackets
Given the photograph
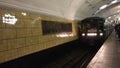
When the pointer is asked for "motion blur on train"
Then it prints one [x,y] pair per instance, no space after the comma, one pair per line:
[94,29]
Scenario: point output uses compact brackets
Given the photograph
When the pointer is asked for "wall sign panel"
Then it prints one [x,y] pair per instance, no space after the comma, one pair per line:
[53,27]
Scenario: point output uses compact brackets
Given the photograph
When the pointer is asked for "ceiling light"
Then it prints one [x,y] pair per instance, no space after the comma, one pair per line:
[114,1]
[104,6]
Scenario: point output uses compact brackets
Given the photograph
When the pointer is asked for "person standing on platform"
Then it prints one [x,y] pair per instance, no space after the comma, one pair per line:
[117,30]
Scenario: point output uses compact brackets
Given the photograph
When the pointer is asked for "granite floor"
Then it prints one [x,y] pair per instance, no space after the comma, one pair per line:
[109,54]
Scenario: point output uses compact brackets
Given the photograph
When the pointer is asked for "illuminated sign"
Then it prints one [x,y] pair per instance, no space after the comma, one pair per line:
[9,19]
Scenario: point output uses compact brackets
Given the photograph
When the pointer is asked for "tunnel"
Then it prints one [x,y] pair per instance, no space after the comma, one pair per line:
[52,34]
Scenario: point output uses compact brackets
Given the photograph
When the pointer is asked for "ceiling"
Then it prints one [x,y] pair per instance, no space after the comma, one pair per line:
[112,10]
[69,9]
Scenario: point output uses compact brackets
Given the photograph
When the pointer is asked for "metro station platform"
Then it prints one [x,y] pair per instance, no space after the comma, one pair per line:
[108,55]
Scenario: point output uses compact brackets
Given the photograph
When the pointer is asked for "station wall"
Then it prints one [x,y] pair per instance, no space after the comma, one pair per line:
[21,34]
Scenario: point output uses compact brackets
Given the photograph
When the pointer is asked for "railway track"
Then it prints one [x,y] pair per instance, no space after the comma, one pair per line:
[77,58]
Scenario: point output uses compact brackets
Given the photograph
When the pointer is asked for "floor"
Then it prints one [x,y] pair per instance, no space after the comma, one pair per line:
[108,55]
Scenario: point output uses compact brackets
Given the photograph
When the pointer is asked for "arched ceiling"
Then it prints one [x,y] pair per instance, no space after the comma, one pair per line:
[69,9]
[113,10]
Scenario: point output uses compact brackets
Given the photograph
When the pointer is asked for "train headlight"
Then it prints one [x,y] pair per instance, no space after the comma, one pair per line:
[91,34]
[83,34]
[101,34]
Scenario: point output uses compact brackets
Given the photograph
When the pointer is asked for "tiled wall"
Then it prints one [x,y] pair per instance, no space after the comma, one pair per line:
[25,35]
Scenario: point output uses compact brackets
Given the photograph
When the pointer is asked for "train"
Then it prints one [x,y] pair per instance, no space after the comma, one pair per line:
[93,29]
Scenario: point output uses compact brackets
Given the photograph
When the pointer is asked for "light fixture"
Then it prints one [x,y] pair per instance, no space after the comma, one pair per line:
[104,6]
[24,14]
